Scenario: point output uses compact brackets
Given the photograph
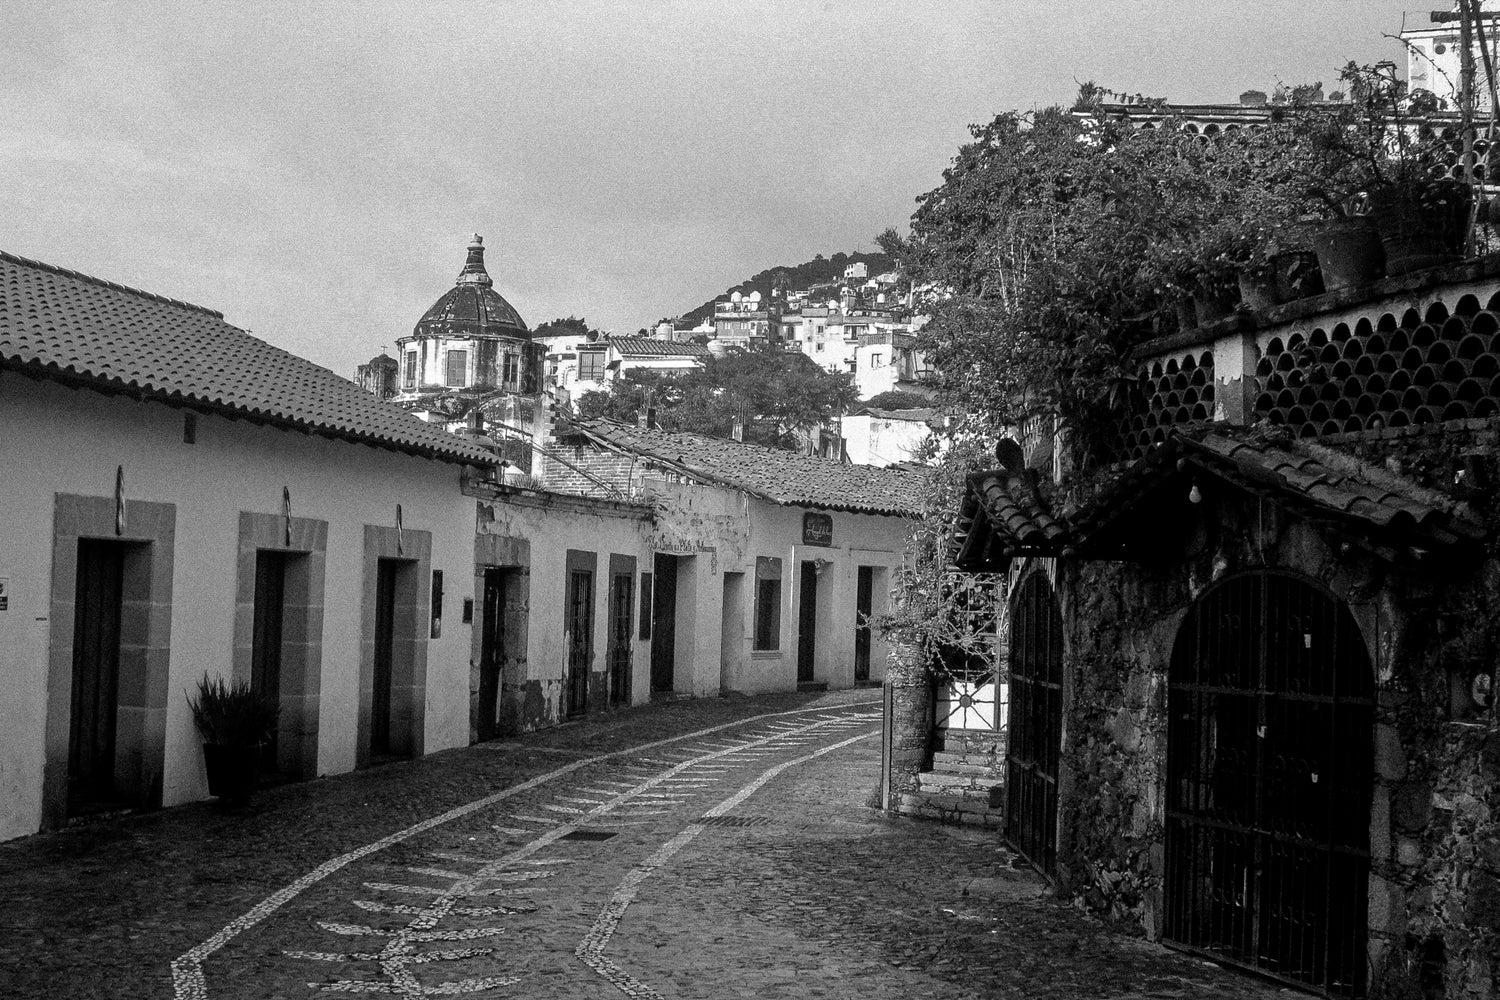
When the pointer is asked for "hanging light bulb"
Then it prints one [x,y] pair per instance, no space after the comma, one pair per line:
[1195,495]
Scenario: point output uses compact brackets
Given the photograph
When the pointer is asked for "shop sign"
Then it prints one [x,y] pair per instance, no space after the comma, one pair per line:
[817,529]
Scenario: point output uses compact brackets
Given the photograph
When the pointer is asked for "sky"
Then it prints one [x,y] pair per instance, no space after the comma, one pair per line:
[314,170]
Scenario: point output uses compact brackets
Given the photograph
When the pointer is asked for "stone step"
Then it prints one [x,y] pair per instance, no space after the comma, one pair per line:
[948,809]
[942,779]
[964,763]
[971,741]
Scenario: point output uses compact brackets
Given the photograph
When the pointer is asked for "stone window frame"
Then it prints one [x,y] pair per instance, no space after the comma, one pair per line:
[302,627]
[409,657]
[409,370]
[149,534]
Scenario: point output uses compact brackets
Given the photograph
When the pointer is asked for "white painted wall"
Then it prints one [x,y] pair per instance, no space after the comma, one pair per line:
[61,441]
[552,531]
[882,441]
[726,531]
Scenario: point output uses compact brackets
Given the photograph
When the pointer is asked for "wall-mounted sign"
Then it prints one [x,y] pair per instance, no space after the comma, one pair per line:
[817,529]
[4,593]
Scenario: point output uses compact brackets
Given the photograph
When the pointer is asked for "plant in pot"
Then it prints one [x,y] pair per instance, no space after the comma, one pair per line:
[1235,247]
[1377,169]
[235,722]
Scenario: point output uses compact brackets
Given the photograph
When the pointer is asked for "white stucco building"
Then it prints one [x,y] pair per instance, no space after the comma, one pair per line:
[765,564]
[182,499]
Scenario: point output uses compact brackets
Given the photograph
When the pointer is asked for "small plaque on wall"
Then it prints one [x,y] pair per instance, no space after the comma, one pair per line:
[817,529]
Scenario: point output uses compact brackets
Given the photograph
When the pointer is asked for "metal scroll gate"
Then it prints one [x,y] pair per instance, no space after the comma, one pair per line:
[1271,709]
[1035,741]
[971,696]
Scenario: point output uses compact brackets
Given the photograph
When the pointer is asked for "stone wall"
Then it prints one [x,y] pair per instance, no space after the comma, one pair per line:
[911,719]
[1434,888]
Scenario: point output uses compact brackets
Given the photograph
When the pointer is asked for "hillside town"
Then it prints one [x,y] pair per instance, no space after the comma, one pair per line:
[1093,590]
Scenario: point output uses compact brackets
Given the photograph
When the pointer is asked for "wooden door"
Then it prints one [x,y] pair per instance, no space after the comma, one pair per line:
[265,639]
[385,641]
[864,601]
[96,672]
[664,624]
[807,622]
[491,653]
[621,599]
[580,639]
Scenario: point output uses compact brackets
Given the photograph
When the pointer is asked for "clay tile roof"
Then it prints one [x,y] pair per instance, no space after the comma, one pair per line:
[1002,516]
[782,477]
[1328,483]
[649,347]
[62,325]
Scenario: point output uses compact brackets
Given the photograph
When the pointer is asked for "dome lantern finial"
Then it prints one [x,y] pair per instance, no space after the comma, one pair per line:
[474,272]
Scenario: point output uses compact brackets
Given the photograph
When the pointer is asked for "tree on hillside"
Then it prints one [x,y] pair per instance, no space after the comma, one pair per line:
[575,326]
[771,394]
[898,399]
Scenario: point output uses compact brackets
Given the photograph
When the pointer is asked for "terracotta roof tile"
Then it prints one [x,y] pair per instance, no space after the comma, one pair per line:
[650,347]
[782,477]
[1001,517]
[60,324]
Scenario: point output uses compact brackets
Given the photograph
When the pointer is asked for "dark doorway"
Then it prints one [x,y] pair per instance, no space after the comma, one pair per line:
[491,653]
[96,675]
[864,602]
[1269,754]
[664,623]
[807,622]
[621,603]
[385,653]
[580,638]
[265,641]
[1035,723]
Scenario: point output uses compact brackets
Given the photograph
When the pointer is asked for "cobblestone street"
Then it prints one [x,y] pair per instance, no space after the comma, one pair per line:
[693,849]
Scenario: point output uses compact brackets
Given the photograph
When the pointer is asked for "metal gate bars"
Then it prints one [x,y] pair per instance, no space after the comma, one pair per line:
[1269,747]
[1035,723]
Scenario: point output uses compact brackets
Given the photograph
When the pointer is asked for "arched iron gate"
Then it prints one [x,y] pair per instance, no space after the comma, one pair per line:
[1269,780]
[1035,723]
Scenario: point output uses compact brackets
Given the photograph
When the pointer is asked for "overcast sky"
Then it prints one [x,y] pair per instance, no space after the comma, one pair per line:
[314,170]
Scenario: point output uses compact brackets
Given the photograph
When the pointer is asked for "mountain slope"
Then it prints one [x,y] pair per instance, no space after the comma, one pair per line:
[812,272]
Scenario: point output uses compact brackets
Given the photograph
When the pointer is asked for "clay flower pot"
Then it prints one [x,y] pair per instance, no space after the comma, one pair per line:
[1421,228]
[1349,252]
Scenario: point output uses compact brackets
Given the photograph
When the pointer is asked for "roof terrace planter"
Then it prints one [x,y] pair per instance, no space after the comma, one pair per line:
[1349,251]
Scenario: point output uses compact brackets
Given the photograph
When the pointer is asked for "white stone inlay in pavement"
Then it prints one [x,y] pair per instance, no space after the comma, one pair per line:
[188,979]
[590,950]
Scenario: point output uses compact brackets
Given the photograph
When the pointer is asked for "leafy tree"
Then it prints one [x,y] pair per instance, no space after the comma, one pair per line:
[771,394]
[564,327]
[898,399]
[1059,241]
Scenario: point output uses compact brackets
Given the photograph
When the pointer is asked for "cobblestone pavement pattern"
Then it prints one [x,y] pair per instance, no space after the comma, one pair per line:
[697,849]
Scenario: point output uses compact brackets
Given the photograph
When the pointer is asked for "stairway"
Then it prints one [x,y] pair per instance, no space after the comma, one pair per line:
[966,784]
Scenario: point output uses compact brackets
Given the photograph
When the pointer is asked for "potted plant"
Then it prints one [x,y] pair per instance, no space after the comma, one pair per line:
[235,722]
[1375,168]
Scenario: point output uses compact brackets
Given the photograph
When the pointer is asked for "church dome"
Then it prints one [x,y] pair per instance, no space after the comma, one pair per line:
[472,307]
